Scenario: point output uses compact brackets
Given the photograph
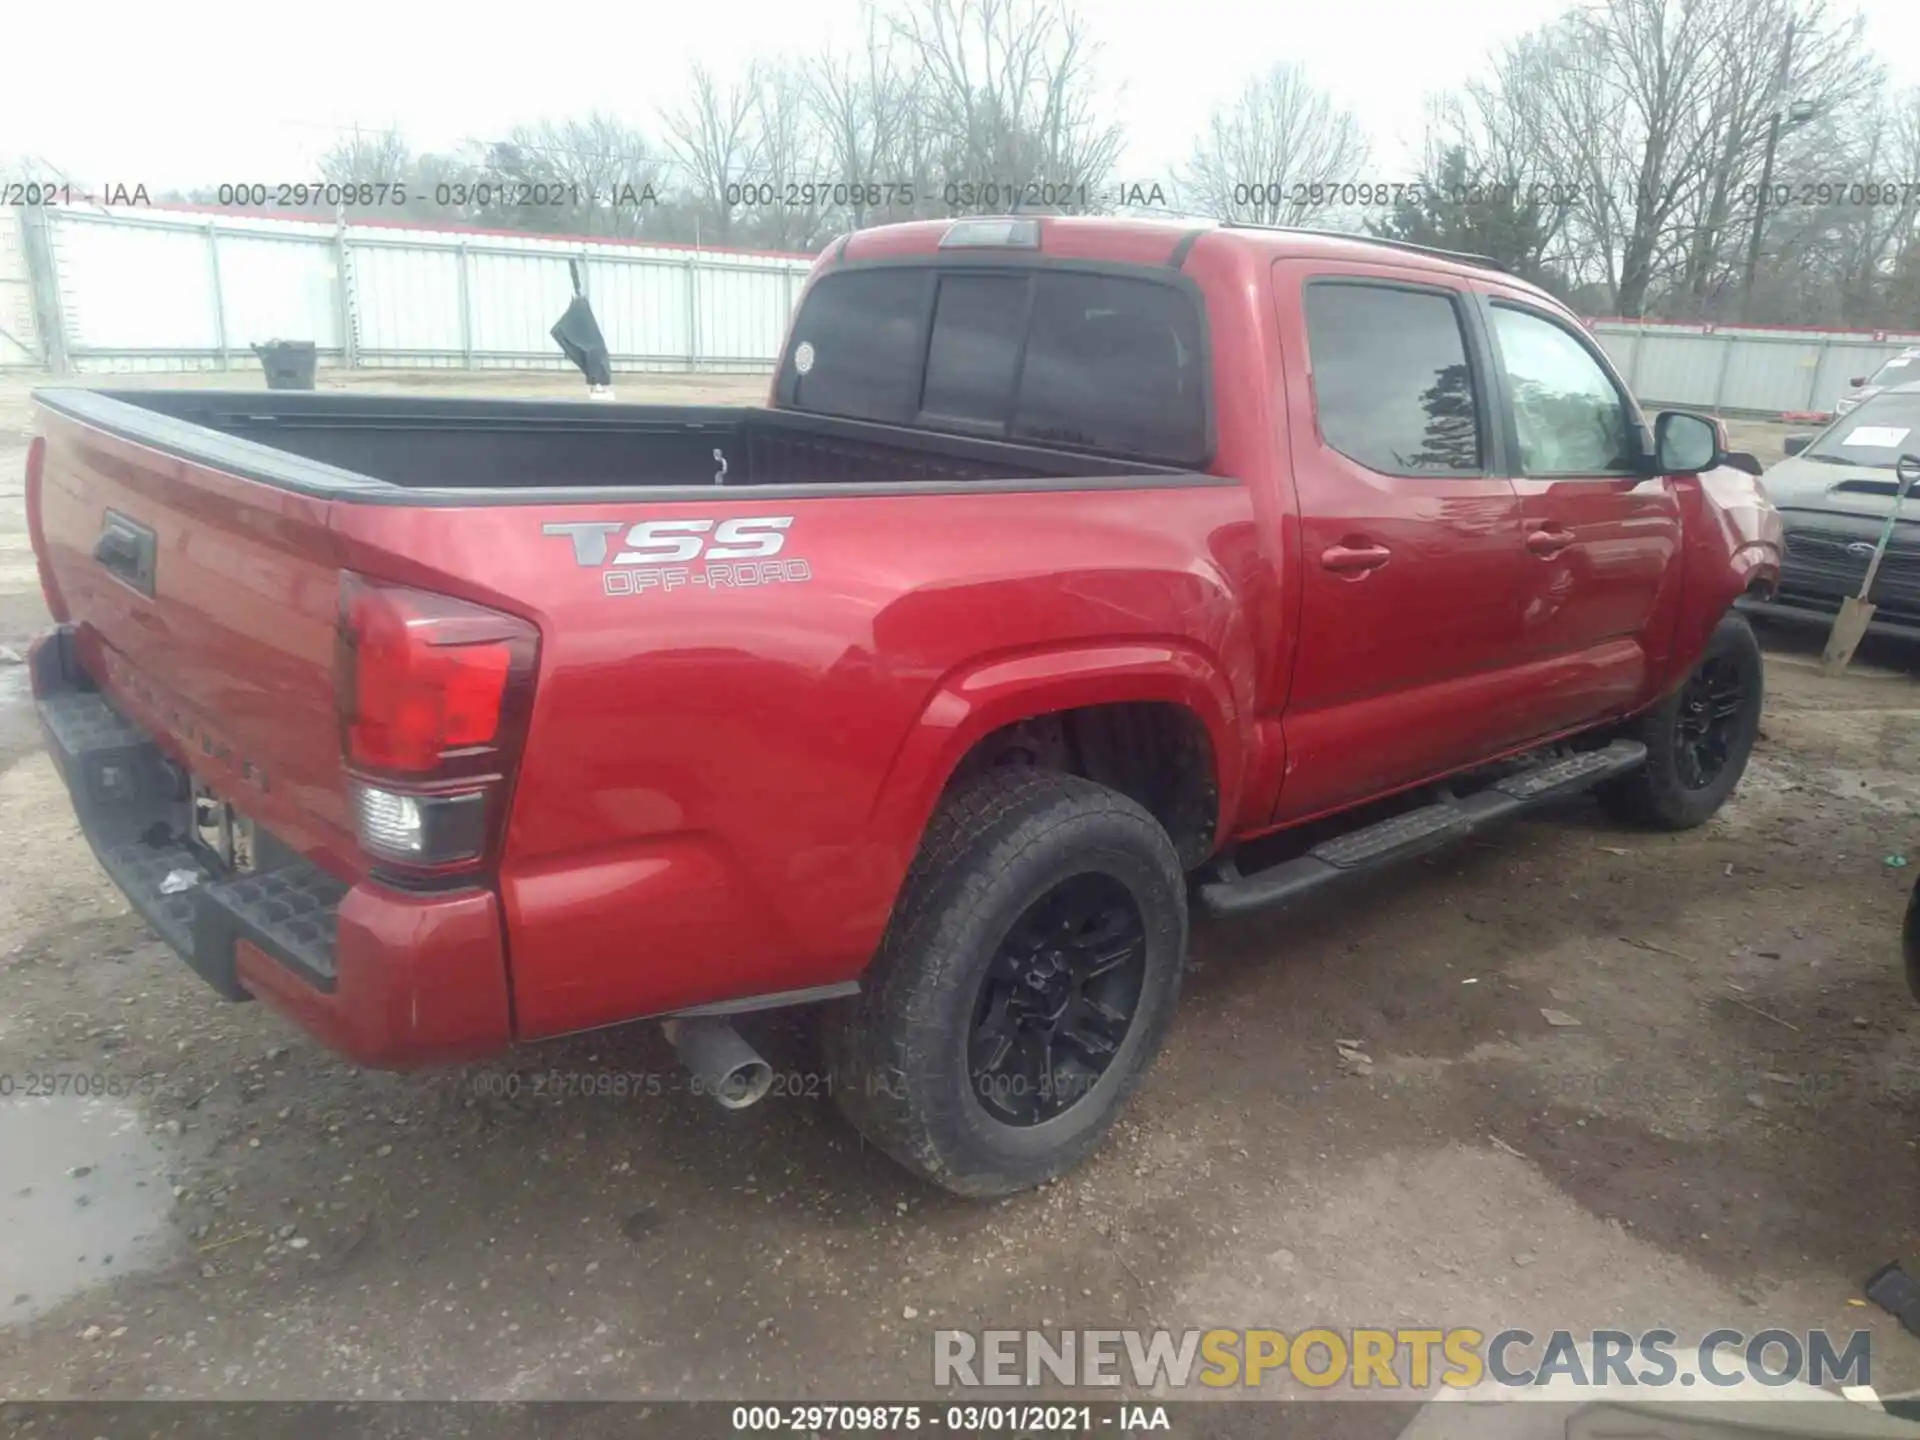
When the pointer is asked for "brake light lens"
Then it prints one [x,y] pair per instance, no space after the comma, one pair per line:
[434,695]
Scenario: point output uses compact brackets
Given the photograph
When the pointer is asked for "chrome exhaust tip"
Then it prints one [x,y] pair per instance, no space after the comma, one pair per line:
[723,1065]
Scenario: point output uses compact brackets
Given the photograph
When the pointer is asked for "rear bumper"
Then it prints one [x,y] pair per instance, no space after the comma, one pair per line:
[385,977]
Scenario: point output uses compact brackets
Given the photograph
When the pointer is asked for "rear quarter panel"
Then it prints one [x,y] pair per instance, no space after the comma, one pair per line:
[724,785]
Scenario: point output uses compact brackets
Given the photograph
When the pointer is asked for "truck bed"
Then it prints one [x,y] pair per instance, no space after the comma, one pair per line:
[422,450]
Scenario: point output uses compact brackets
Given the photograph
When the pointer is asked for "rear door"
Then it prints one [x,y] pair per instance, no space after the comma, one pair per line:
[1601,536]
[1410,562]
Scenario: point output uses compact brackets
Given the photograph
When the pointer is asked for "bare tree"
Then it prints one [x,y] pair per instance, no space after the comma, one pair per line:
[1010,93]
[592,175]
[865,104]
[368,157]
[1280,153]
[792,193]
[1481,161]
[1653,116]
[1778,55]
[1844,210]
[711,135]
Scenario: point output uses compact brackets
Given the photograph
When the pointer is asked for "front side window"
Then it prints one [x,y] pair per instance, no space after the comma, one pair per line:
[1568,415]
[1391,382]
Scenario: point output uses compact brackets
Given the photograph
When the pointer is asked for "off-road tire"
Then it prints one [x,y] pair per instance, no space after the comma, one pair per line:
[898,1052]
[1658,793]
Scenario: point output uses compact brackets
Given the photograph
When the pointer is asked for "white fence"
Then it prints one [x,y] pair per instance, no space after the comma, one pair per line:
[185,290]
[19,337]
[1744,370]
[180,290]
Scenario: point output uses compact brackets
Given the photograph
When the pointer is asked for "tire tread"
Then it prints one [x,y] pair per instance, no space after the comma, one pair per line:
[874,1041]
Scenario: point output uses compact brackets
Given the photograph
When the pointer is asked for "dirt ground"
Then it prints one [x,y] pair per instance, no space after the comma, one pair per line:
[1726,1137]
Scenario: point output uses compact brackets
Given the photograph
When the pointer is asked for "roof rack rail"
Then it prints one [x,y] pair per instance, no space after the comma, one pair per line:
[1464,257]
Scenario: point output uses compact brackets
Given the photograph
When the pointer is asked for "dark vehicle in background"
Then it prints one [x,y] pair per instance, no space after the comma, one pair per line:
[1901,369]
[1834,493]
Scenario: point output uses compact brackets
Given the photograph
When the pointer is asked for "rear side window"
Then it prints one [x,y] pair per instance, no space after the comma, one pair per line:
[1391,382]
[1058,357]
[859,352]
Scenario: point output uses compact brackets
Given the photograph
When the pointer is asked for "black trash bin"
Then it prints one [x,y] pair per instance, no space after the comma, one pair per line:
[289,364]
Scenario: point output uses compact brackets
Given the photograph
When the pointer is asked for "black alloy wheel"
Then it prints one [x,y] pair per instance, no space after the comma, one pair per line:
[1023,987]
[1698,738]
[1057,1000]
[1707,726]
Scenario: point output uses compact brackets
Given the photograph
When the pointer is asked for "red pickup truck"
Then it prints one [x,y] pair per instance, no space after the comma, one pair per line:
[1067,557]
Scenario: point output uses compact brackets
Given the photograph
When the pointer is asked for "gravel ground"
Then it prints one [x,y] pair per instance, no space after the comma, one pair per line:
[1726,1136]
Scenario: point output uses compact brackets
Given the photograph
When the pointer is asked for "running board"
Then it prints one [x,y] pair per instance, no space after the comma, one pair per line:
[1373,847]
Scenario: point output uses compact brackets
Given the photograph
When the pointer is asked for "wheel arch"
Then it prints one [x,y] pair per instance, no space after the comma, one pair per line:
[990,696]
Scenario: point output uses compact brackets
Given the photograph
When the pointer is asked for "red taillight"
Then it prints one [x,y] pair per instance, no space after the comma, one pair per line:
[36,527]
[433,695]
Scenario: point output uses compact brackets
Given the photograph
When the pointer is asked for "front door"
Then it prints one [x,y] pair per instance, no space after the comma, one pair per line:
[1601,534]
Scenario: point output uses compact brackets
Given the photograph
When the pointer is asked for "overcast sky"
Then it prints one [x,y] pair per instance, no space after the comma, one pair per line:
[198,93]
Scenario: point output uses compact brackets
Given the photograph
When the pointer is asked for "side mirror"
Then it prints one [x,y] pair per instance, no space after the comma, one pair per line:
[1907,469]
[1685,443]
[1794,444]
[1857,381]
[1741,460]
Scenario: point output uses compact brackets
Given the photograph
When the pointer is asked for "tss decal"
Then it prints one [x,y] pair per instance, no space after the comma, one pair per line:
[666,549]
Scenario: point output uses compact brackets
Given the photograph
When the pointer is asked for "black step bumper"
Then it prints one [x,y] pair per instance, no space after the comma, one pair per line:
[134,807]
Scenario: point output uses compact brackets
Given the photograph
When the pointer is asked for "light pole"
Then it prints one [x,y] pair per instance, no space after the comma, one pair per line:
[1796,114]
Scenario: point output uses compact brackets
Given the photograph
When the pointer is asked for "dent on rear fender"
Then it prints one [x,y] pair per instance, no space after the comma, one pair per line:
[1750,539]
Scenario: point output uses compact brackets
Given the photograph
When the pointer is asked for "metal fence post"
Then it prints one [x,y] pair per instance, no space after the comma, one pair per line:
[466,309]
[1727,343]
[219,300]
[1813,377]
[343,299]
[43,286]
[693,312]
[1632,367]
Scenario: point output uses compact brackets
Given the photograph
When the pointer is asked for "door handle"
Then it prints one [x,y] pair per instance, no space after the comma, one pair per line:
[1354,561]
[1549,542]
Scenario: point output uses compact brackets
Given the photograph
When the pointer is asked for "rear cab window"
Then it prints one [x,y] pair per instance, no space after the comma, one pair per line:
[1050,354]
[1393,387]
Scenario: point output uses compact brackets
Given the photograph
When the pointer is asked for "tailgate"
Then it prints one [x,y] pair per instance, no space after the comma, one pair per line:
[205,605]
